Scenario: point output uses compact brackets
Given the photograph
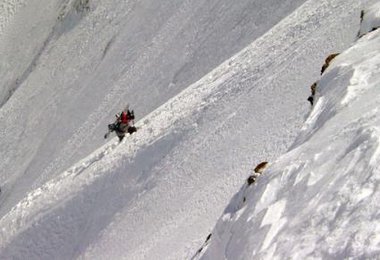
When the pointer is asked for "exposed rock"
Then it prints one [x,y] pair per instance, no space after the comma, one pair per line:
[251,179]
[260,167]
[328,61]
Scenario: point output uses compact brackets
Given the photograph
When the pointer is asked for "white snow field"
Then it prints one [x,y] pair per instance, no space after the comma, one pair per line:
[67,67]
[320,199]
[67,193]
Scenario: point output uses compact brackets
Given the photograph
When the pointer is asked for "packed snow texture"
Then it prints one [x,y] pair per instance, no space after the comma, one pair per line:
[67,194]
[320,199]
[67,67]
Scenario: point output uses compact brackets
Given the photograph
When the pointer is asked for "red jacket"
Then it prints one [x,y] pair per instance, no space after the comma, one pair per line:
[124,118]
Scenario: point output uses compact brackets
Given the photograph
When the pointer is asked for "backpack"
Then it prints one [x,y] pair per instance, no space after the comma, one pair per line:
[131,114]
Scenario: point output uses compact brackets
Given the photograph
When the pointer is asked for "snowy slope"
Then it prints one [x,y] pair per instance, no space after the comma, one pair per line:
[320,199]
[67,68]
[157,194]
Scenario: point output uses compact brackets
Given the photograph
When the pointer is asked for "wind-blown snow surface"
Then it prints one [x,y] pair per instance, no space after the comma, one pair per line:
[158,193]
[66,68]
[320,199]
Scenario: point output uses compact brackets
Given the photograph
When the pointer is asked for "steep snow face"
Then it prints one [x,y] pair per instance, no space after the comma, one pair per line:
[67,66]
[25,31]
[155,194]
[319,200]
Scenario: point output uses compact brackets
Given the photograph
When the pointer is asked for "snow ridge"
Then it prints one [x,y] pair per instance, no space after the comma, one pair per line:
[319,199]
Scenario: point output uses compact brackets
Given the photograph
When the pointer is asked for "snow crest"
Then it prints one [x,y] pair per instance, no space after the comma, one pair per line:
[319,200]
